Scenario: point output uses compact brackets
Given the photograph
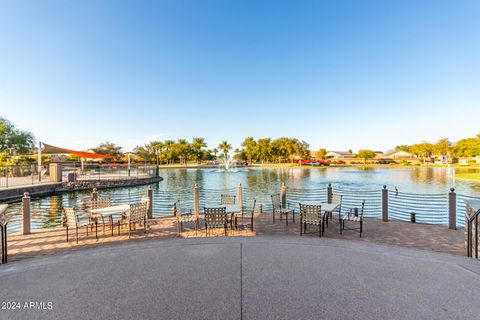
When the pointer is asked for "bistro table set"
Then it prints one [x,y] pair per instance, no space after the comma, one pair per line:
[228,212]
[319,213]
[99,209]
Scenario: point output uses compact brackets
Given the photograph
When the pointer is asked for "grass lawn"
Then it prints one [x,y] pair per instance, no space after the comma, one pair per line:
[468,176]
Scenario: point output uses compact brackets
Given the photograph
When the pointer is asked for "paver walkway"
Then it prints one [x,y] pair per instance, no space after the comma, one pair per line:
[419,236]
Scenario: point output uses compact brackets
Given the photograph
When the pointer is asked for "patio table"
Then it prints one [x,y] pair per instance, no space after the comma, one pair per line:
[327,207]
[108,212]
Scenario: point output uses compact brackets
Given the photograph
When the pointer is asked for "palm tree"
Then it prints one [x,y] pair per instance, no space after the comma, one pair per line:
[169,146]
[225,147]
[197,145]
[250,146]
[183,150]
[156,149]
[264,148]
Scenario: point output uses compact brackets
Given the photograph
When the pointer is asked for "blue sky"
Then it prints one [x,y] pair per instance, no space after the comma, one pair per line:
[338,74]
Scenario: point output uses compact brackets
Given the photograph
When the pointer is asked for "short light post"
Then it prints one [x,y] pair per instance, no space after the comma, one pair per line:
[385,204]
[240,195]
[329,193]
[196,200]
[27,213]
[150,202]
[94,194]
[452,209]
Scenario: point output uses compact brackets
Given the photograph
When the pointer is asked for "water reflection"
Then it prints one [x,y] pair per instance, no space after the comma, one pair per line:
[257,182]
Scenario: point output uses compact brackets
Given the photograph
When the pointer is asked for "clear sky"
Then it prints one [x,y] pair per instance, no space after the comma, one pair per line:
[338,74]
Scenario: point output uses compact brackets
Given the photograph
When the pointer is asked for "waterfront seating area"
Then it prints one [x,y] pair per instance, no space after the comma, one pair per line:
[97,220]
[419,236]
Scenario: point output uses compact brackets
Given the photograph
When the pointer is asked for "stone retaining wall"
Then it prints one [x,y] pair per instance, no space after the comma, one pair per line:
[13,194]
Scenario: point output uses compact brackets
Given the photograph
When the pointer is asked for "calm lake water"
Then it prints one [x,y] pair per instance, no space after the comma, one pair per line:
[258,183]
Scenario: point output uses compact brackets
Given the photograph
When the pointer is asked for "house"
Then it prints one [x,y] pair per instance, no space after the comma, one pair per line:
[397,154]
[379,154]
[339,155]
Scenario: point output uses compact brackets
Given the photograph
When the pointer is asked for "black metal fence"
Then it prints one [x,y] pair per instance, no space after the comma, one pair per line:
[472,234]
[3,233]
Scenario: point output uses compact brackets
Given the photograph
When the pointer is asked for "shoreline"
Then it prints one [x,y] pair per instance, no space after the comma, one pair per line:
[305,166]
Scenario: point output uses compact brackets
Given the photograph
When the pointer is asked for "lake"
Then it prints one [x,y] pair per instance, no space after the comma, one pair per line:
[302,184]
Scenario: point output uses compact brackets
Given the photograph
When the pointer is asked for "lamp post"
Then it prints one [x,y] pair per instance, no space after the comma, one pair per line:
[39,169]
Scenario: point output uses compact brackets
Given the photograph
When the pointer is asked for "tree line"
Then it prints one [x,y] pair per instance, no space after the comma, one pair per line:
[262,150]
[468,147]
[14,141]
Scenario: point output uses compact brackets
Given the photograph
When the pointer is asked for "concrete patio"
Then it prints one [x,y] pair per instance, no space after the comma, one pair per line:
[263,277]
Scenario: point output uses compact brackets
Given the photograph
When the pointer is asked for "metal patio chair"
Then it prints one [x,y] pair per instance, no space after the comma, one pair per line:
[226,199]
[311,215]
[137,215]
[98,203]
[246,214]
[182,217]
[277,209]
[353,215]
[73,219]
[215,218]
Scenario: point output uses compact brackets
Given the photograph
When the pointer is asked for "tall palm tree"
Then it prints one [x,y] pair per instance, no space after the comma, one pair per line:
[250,146]
[183,149]
[169,146]
[197,145]
[225,147]
[156,149]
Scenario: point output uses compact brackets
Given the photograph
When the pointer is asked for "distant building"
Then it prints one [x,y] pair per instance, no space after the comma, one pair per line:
[339,155]
[379,154]
[397,154]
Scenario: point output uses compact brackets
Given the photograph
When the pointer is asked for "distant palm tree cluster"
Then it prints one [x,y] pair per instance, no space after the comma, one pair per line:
[261,150]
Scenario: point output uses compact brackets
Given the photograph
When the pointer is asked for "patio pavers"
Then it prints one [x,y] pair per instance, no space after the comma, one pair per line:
[419,236]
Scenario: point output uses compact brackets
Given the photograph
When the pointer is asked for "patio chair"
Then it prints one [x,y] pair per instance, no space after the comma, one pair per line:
[98,203]
[277,209]
[215,218]
[75,220]
[353,215]
[227,199]
[311,215]
[182,218]
[137,214]
[246,214]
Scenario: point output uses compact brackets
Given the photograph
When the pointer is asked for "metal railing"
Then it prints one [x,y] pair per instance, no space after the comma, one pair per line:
[472,236]
[441,208]
[110,172]
[3,233]
[423,208]
[22,175]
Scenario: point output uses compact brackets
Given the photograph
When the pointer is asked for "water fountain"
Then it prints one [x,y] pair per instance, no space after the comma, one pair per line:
[226,161]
